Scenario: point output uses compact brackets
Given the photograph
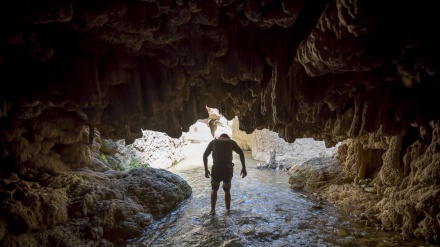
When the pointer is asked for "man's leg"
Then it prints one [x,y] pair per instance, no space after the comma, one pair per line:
[228,199]
[213,201]
[214,185]
[227,190]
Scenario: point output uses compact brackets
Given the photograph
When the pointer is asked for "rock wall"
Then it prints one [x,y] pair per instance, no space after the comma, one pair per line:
[66,192]
[391,182]
[263,142]
[154,149]
[408,181]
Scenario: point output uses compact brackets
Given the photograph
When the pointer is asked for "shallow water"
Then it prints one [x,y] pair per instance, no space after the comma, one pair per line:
[264,212]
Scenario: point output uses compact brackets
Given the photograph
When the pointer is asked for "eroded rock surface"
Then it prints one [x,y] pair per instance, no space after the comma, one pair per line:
[373,178]
[264,142]
[329,70]
[154,149]
[86,208]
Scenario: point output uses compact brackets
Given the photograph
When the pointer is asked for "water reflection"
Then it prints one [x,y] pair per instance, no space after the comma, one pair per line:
[264,212]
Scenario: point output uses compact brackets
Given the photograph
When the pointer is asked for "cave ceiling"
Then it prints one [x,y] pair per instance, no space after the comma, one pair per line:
[330,70]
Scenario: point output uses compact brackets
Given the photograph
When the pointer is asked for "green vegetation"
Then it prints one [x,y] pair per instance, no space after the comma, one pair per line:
[102,157]
[134,163]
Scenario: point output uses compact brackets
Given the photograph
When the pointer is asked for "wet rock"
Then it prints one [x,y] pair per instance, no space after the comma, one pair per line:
[106,207]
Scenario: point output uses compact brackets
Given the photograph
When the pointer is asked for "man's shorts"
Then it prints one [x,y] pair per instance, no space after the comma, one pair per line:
[222,173]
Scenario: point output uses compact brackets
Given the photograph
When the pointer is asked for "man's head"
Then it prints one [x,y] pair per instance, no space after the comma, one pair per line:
[224,136]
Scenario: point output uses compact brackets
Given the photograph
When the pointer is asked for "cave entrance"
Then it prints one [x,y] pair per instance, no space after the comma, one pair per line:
[158,150]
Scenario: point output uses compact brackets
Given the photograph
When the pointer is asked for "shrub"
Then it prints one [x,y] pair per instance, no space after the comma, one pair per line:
[102,157]
[134,163]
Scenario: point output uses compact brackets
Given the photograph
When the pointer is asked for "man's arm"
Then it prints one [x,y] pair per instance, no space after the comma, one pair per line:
[207,152]
[238,150]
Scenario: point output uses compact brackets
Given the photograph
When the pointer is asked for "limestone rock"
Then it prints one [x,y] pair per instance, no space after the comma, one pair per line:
[154,149]
[81,208]
[315,173]
[263,142]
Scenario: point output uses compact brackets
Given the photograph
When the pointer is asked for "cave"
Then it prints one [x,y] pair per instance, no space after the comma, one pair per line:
[77,72]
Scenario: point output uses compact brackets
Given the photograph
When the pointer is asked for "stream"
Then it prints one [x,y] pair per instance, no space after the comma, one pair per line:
[264,212]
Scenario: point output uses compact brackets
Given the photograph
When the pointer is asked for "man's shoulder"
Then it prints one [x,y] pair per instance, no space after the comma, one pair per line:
[221,140]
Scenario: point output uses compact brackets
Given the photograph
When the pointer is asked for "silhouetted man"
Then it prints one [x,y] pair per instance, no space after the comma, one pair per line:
[222,168]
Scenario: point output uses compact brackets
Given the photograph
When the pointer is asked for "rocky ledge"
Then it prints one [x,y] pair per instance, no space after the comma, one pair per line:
[85,208]
[364,179]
